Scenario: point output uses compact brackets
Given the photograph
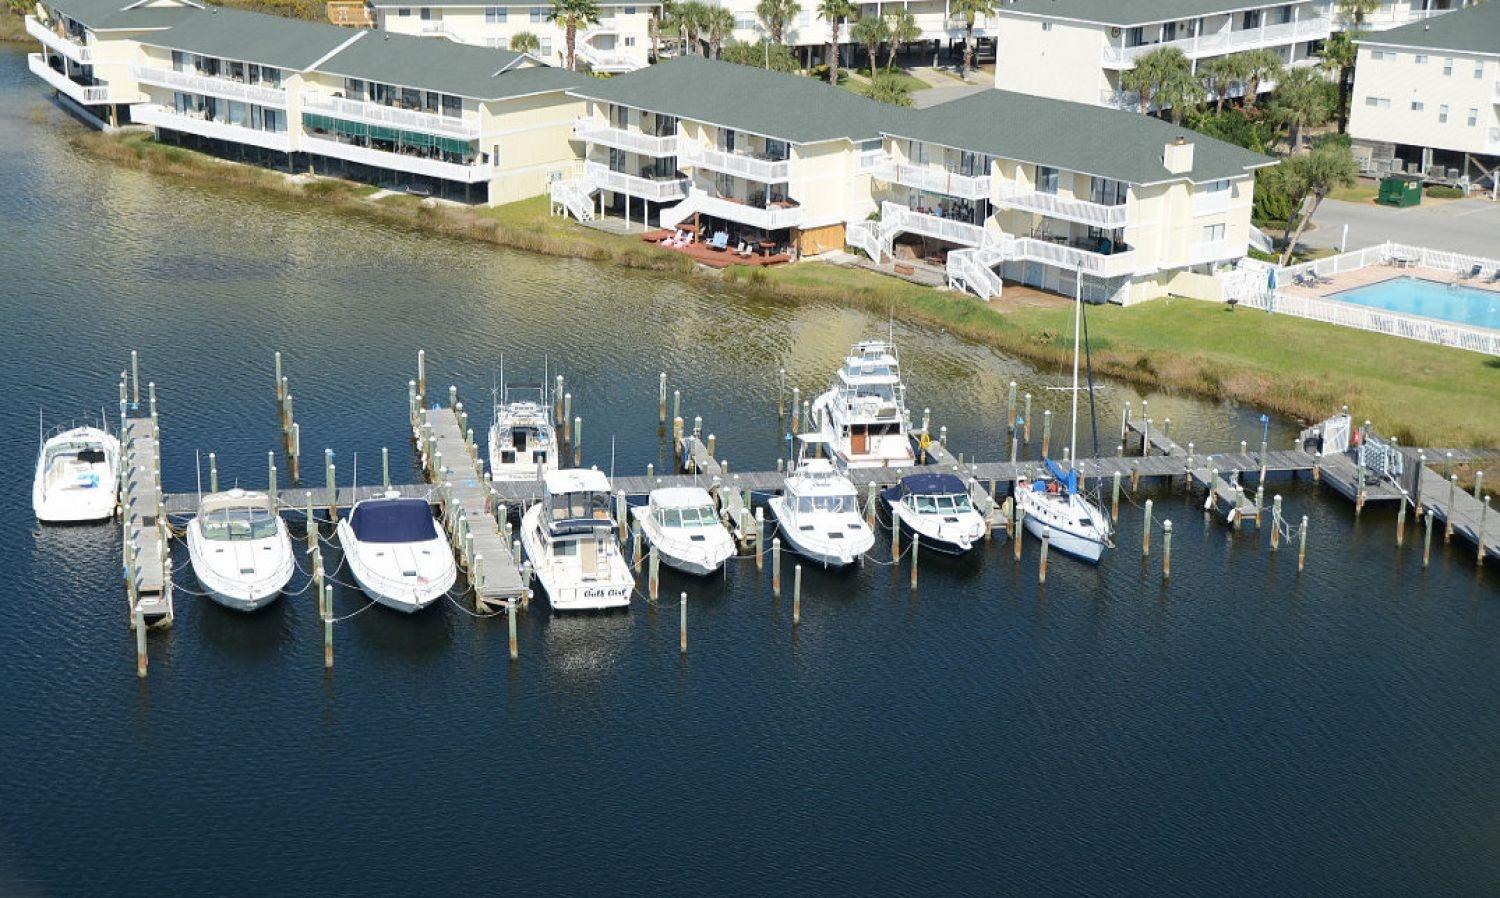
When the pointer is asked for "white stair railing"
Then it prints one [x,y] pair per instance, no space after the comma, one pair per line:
[572,195]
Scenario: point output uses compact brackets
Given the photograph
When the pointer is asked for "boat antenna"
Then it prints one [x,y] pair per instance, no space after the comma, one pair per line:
[611,456]
[41,429]
[1077,339]
[353,480]
[1088,361]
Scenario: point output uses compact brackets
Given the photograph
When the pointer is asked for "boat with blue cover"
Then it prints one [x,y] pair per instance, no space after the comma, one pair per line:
[396,552]
[936,509]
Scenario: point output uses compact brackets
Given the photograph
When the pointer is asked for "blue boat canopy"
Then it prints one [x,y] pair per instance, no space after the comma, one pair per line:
[933,485]
[1068,479]
[393,521]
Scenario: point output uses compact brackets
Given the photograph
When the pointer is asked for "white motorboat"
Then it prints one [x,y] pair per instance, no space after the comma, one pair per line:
[685,529]
[523,442]
[396,552]
[240,549]
[569,537]
[1053,504]
[863,416]
[936,509]
[77,476]
[818,514]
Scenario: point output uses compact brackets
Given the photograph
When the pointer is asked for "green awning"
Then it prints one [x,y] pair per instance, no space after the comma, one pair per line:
[353,129]
[317,122]
[416,139]
[456,145]
[381,132]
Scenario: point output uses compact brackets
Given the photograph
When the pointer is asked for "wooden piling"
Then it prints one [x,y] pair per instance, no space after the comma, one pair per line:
[577,441]
[140,629]
[1114,498]
[271,489]
[1448,512]
[1046,431]
[682,625]
[1478,484]
[1427,540]
[654,569]
[1010,409]
[510,614]
[1302,546]
[1135,476]
[1401,522]
[635,548]
[213,472]
[895,537]
[1026,422]
[776,566]
[916,546]
[796,594]
[1166,550]
[1019,533]
[421,376]
[328,626]
[1275,522]
[661,400]
[1146,531]
[567,421]
[1041,572]
[312,524]
[1484,514]
[135,377]
[331,472]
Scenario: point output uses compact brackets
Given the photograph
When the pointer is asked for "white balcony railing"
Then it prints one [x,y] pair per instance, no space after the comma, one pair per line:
[1064,256]
[895,217]
[1390,15]
[66,46]
[898,217]
[762,170]
[88,95]
[210,86]
[436,168]
[608,60]
[592,131]
[378,114]
[1494,143]
[1226,41]
[1214,251]
[770,218]
[163,117]
[866,161]
[934,179]
[597,175]
[1099,215]
[1212,202]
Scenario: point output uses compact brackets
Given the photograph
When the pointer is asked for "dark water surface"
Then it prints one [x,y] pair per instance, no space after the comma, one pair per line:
[1244,729]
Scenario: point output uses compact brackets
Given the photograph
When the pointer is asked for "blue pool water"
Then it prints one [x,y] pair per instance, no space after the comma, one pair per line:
[1430,299]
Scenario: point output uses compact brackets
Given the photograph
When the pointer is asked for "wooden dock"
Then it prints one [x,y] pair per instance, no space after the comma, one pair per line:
[147,544]
[1217,475]
[983,500]
[468,505]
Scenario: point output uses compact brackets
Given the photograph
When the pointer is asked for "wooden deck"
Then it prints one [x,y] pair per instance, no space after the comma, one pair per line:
[716,258]
[147,548]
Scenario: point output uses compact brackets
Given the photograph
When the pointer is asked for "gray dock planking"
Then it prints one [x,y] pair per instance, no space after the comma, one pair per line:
[1218,475]
[147,551]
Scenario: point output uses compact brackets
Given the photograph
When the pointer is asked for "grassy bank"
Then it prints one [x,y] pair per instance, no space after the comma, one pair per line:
[1301,369]
[13,29]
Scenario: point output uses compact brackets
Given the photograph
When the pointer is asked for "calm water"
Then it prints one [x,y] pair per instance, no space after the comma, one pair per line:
[1430,299]
[1241,730]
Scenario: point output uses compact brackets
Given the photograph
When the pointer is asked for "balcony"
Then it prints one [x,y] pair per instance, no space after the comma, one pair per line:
[1064,255]
[1225,41]
[608,61]
[895,217]
[592,131]
[599,176]
[416,165]
[379,114]
[766,171]
[1214,251]
[64,46]
[171,119]
[768,218]
[1014,196]
[211,86]
[88,95]
[934,179]
[1212,203]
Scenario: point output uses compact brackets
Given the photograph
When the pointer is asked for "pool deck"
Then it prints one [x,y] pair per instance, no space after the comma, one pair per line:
[1374,274]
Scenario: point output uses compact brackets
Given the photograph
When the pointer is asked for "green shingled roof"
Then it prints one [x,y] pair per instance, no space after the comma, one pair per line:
[433,64]
[100,15]
[788,107]
[251,37]
[1107,143]
[1125,13]
[1472,30]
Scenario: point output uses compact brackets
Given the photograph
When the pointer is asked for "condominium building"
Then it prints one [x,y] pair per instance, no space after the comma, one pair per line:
[468,123]
[619,42]
[1427,97]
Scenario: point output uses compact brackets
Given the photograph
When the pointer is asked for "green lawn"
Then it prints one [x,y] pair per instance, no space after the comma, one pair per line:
[1363,192]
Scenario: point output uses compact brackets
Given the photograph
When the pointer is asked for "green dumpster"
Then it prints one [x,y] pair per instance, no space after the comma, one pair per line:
[1400,191]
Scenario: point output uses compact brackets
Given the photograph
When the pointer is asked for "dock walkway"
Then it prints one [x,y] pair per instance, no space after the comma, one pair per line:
[147,550]
[1217,475]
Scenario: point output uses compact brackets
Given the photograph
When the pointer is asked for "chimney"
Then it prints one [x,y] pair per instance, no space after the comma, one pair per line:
[1178,156]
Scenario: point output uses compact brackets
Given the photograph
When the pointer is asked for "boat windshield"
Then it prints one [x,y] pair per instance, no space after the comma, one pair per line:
[702,516]
[236,524]
[579,506]
[942,504]
[844,504]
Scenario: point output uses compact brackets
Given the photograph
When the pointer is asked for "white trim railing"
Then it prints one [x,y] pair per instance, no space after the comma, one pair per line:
[600,176]
[769,218]
[79,53]
[1226,40]
[436,168]
[164,117]
[1086,212]
[972,270]
[88,95]
[1071,257]
[1205,251]
[570,194]
[210,86]
[762,170]
[896,217]
[606,60]
[934,179]
[866,161]
[1411,327]
[592,131]
[1212,202]
[864,236]
[378,114]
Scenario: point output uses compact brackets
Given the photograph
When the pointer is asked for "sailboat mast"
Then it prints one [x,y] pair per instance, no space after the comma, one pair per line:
[1077,331]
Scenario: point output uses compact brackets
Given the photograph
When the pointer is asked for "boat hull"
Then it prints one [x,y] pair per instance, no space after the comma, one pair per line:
[929,540]
[599,595]
[62,504]
[406,598]
[817,551]
[1077,545]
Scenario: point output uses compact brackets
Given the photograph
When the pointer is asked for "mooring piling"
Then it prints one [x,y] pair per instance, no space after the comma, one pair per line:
[796,594]
[1166,550]
[1041,572]
[1146,531]
[682,625]
[776,566]
[1302,545]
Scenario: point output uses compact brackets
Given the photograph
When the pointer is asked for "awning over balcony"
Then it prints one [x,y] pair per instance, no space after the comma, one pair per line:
[387,133]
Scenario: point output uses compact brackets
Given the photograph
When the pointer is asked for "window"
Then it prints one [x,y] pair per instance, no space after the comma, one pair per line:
[1047,179]
[1250,19]
[630,40]
[1213,233]
[1284,15]
[452,106]
[1473,117]
[1479,69]
[546,48]
[804,19]
[1417,105]
[630,10]
[494,15]
[1378,102]
[179,61]
[1046,26]
[1443,113]
[1448,66]
[1421,59]
[425,13]
[1216,186]
[403,12]
[744,22]
[538,13]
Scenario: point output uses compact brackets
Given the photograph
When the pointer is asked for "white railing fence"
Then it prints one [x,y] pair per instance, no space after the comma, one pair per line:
[1411,327]
[865,236]
[569,195]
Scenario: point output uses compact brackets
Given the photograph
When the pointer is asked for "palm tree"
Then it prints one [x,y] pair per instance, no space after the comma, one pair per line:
[660,15]
[1339,54]
[690,19]
[834,12]
[776,15]
[525,42]
[573,15]
[1308,180]
[1219,75]
[904,30]
[970,10]
[1260,66]
[1301,101]
[1153,71]
[870,32]
[1178,94]
[719,22]
[1357,10]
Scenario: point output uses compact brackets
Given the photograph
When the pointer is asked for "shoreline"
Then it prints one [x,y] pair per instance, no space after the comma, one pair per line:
[1171,345]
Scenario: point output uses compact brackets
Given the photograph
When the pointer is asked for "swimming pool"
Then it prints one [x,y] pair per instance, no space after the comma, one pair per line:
[1430,299]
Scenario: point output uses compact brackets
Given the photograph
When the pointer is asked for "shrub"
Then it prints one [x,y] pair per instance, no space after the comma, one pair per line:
[1439,192]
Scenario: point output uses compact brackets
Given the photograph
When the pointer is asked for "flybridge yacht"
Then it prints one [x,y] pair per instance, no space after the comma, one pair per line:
[523,443]
[569,539]
[77,476]
[863,416]
[396,552]
[682,524]
[240,549]
[818,514]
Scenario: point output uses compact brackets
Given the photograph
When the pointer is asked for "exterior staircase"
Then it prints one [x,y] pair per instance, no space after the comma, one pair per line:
[571,195]
[674,215]
[973,270]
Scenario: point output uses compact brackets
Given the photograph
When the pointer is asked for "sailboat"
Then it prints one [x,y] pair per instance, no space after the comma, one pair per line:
[1053,503]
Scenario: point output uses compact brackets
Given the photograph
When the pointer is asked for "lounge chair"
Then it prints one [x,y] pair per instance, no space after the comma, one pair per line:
[720,241]
[1471,273]
[1300,280]
[1495,278]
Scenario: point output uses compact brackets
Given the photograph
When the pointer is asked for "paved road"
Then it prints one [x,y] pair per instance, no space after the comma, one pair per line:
[1465,226]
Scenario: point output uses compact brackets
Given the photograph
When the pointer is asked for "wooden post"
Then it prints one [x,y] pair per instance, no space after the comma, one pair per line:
[312,524]
[1448,513]
[213,472]
[661,400]
[635,548]
[1135,476]
[654,582]
[140,627]
[1302,546]
[1146,531]
[1484,514]
[760,535]
[677,405]
[557,398]
[385,466]
[682,625]
[1359,488]
[1026,422]
[621,521]
[1015,439]
[796,410]
[796,594]
[296,471]
[781,395]
[567,420]
[1017,536]
[1146,438]
[1010,409]
[510,614]
[271,490]
[1478,484]
[1114,499]
[1046,431]
[280,381]
[135,378]
[1275,522]
[1041,572]
[1166,550]
[776,566]
[1427,540]
[1401,522]
[916,546]
[422,376]
[328,626]
[577,441]
[895,537]
[713,444]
